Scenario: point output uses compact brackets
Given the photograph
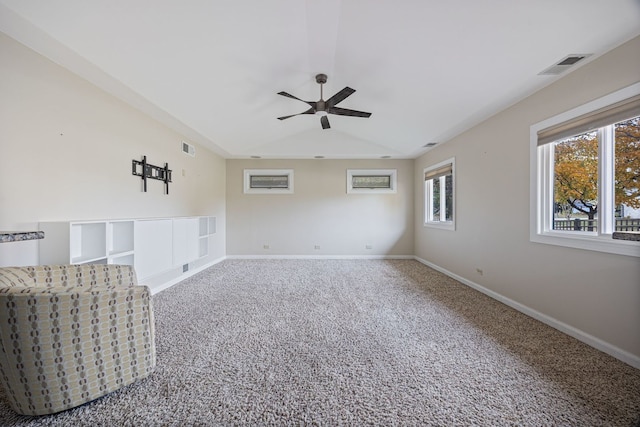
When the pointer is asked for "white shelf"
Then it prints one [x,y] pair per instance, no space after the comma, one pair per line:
[207,227]
[89,260]
[153,246]
[212,225]
[204,247]
[123,259]
[203,226]
[120,236]
[88,242]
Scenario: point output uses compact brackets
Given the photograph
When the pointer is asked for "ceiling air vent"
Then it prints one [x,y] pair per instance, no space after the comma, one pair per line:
[564,64]
[430,144]
[188,149]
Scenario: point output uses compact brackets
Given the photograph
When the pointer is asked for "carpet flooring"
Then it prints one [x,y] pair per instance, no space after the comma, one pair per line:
[355,342]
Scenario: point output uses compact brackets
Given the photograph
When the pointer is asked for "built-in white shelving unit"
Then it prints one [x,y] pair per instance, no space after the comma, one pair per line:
[206,227]
[152,245]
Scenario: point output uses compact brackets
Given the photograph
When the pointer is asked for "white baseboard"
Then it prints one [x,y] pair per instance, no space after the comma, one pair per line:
[586,338]
[320,257]
[161,287]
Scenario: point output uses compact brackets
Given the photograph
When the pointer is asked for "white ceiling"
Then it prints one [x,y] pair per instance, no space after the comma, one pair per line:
[427,70]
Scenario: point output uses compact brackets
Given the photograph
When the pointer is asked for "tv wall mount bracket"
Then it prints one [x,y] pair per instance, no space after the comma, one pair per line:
[148,171]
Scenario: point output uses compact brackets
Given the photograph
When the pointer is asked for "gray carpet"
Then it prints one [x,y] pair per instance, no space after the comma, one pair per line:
[356,342]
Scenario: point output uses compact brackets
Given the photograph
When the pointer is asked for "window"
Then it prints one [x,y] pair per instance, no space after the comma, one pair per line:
[262,181]
[371,180]
[585,175]
[439,188]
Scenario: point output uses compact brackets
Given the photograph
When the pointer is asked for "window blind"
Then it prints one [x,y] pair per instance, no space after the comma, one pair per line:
[438,172]
[371,181]
[614,113]
[269,181]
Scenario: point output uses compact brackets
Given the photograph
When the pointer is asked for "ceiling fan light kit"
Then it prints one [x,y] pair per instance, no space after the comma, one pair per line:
[323,108]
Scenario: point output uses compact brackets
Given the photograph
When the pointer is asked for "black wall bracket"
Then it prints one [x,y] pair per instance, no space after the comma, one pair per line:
[145,171]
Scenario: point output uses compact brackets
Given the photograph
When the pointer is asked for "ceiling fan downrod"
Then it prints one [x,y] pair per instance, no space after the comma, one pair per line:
[321,79]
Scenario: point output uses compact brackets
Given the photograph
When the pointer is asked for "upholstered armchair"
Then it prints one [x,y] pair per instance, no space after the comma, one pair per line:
[72,333]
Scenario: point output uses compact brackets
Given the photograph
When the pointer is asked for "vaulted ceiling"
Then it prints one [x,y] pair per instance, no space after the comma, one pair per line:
[427,70]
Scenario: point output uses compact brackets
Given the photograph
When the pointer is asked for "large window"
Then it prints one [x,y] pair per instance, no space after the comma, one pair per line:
[439,210]
[586,188]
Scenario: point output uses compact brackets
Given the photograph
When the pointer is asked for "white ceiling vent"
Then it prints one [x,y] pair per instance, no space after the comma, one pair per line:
[188,149]
[564,64]
[430,144]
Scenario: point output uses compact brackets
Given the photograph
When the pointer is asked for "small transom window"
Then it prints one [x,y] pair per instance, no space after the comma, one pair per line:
[268,181]
[371,181]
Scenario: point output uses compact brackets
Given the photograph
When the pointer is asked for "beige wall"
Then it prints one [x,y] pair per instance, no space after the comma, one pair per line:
[596,293]
[66,149]
[320,212]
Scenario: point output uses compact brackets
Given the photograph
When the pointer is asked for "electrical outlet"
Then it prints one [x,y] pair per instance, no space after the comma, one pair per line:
[368,246]
[316,247]
[265,246]
[479,271]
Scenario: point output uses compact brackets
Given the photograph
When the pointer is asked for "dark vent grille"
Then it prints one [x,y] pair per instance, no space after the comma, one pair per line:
[571,60]
[188,149]
[564,64]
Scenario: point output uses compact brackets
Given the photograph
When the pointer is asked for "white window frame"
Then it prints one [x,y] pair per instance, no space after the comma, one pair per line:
[248,173]
[392,173]
[428,202]
[541,186]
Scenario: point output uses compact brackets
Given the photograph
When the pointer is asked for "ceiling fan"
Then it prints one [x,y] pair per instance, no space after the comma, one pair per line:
[323,107]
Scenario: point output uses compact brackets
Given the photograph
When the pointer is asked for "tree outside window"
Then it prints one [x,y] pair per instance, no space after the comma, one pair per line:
[576,187]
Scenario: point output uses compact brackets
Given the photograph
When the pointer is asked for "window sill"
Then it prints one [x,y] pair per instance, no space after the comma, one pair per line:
[602,243]
[451,226]
[632,236]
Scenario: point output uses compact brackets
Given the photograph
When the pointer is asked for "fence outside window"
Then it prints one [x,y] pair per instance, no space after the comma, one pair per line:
[577,224]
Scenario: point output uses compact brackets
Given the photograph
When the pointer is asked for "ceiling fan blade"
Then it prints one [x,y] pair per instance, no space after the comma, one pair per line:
[346,112]
[288,95]
[340,96]
[324,121]
[309,111]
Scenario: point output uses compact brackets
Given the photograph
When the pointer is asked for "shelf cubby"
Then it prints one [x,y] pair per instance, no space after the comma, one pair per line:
[88,242]
[120,236]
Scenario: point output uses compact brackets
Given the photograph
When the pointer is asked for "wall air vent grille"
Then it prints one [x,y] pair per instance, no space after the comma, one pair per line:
[188,149]
[564,64]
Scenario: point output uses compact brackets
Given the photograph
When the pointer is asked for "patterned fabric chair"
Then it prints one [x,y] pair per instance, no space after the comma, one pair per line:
[72,333]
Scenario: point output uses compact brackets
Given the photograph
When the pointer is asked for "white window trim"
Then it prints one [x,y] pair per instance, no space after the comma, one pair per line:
[541,185]
[393,173]
[247,181]
[444,225]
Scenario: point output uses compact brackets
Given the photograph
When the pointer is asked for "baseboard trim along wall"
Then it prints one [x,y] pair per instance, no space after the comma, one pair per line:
[590,340]
[166,285]
[320,257]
